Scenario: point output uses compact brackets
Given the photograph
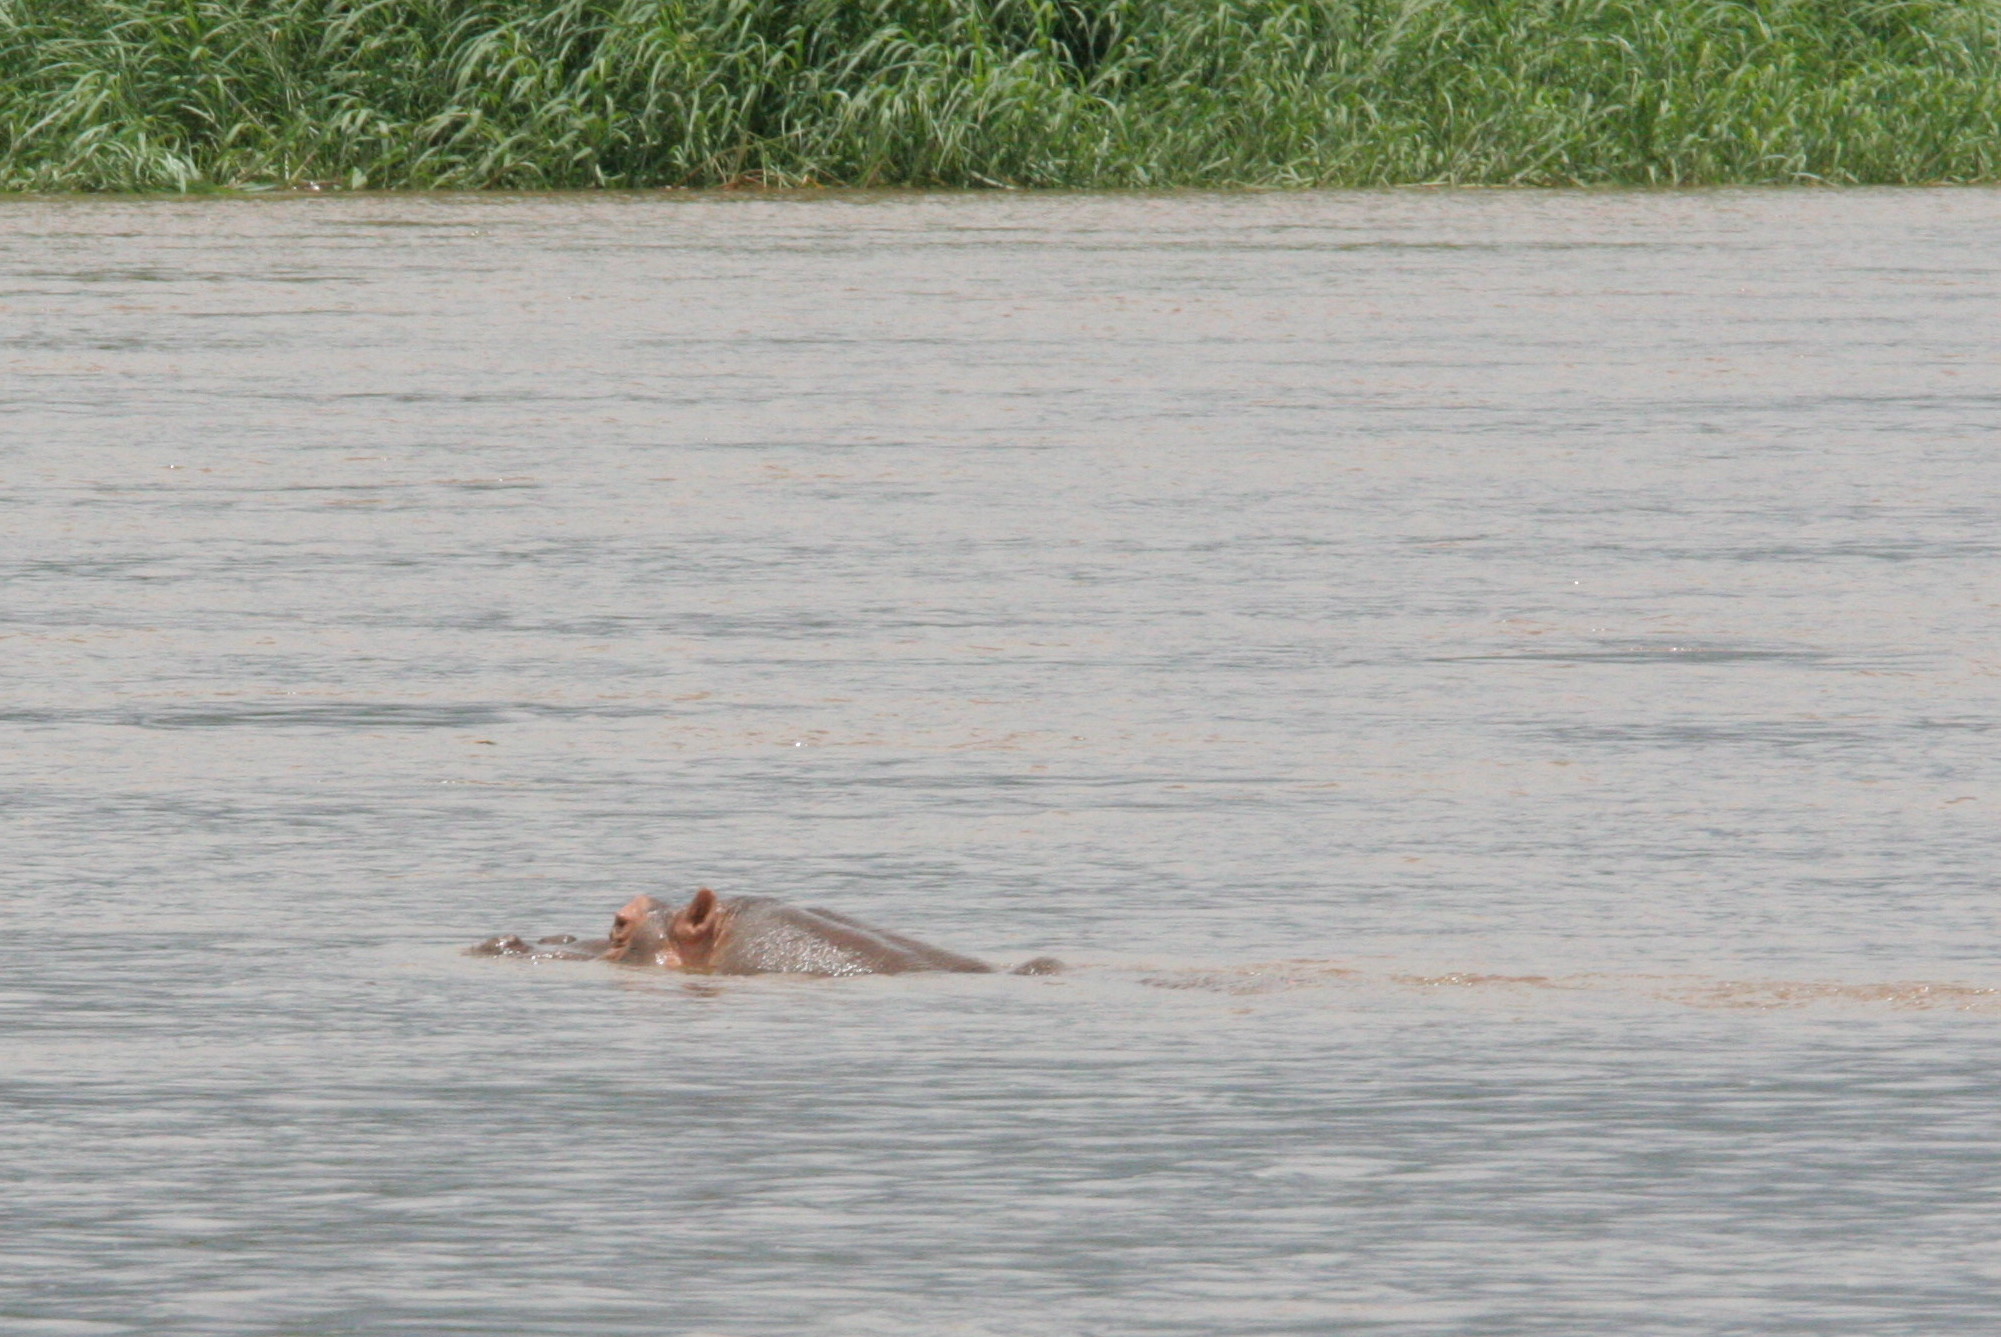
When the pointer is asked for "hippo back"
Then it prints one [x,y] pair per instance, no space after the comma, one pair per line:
[766,936]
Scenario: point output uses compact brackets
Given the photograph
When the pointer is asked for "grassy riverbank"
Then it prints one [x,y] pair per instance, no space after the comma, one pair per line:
[178,94]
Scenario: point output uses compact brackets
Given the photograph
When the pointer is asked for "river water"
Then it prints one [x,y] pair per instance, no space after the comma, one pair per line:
[1494,694]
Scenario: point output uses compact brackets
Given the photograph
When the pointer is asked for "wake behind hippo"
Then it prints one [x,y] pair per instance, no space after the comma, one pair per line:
[756,935]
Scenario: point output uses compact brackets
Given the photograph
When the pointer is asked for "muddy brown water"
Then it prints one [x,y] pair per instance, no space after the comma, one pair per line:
[1496,693]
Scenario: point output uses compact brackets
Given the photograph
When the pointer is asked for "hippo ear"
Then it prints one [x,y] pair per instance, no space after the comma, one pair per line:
[693,932]
[697,918]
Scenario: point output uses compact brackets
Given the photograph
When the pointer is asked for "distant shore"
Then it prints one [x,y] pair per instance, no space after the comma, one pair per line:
[140,95]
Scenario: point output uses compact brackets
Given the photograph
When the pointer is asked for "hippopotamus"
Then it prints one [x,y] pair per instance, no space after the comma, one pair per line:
[751,935]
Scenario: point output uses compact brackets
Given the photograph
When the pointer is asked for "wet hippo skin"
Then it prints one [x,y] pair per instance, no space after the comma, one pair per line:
[761,935]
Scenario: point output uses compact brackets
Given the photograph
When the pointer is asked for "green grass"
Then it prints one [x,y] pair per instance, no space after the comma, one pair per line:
[148,95]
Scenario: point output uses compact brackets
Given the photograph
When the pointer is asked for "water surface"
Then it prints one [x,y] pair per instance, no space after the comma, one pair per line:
[1496,693]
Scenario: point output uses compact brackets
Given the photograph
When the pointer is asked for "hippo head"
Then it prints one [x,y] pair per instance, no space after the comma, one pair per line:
[693,934]
[639,934]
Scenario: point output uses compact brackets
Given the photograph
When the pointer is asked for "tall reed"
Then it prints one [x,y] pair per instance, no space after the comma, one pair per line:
[187,94]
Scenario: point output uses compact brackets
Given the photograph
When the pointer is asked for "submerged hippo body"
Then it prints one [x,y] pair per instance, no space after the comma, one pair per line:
[761,935]
[750,935]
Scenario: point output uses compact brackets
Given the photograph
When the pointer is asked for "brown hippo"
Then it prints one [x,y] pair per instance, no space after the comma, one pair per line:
[751,935]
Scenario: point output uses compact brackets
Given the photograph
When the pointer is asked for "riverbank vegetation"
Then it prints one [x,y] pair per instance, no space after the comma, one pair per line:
[152,95]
